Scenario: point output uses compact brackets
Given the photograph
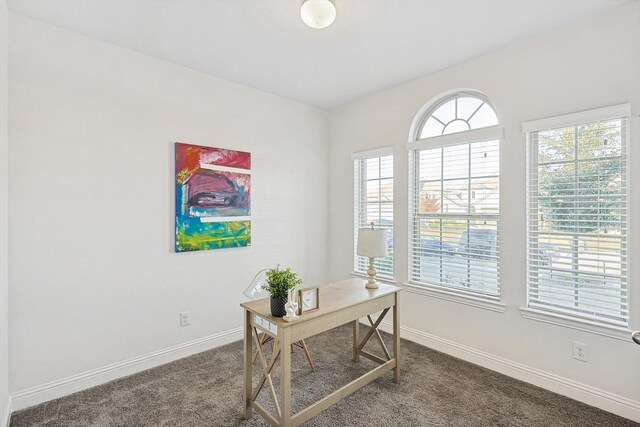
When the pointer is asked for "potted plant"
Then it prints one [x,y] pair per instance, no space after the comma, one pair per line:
[279,283]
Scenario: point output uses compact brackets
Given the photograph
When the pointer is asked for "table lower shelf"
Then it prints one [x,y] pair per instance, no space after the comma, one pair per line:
[322,404]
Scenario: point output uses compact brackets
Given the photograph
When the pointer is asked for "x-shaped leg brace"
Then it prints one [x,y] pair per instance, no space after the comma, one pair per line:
[267,368]
[374,330]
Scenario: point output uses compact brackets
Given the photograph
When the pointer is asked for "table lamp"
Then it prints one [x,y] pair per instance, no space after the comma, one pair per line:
[372,243]
[255,290]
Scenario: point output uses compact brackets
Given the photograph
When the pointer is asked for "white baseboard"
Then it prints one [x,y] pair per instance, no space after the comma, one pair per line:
[5,417]
[593,396]
[65,386]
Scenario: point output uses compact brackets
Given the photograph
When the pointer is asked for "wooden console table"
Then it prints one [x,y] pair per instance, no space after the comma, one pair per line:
[342,302]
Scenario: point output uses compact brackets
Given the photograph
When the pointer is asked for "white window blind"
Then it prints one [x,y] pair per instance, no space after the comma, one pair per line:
[373,202]
[454,217]
[577,220]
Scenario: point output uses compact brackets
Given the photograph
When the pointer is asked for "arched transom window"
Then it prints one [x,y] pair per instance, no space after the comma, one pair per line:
[454,203]
[459,113]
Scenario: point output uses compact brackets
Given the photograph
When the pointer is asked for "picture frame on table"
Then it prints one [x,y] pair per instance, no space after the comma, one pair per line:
[309,299]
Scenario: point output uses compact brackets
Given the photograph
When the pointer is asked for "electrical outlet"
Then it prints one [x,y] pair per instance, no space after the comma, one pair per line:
[580,351]
[185,318]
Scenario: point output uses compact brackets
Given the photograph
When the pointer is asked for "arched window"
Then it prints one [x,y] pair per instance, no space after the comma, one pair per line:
[458,113]
[454,203]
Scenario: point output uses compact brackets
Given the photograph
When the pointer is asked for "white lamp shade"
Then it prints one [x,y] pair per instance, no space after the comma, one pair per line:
[372,243]
[318,13]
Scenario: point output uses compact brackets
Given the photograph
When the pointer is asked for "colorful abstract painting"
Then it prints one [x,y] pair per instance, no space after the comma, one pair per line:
[213,198]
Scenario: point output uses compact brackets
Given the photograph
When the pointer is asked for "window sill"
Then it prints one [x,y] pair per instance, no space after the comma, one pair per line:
[620,333]
[459,297]
[388,280]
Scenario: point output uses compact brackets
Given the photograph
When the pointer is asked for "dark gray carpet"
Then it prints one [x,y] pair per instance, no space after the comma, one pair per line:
[206,390]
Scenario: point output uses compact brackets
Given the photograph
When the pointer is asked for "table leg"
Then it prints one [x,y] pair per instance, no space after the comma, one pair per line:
[248,365]
[356,340]
[306,353]
[284,334]
[396,339]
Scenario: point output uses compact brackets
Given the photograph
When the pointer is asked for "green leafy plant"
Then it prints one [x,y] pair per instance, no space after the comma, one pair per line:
[279,282]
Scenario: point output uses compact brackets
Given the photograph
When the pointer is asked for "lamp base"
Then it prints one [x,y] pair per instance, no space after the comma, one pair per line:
[371,283]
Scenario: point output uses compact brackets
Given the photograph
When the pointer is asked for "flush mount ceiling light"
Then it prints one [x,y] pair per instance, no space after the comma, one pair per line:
[318,13]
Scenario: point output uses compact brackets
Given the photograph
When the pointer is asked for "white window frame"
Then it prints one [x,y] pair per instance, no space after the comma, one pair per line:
[492,303]
[365,155]
[556,318]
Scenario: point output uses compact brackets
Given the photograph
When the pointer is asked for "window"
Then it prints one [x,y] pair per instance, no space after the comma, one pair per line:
[454,197]
[458,114]
[577,215]
[373,202]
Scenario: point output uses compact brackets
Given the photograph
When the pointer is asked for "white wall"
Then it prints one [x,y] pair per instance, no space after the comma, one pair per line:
[592,64]
[94,278]
[4,191]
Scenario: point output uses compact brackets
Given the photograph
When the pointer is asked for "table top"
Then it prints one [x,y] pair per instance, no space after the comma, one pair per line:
[333,297]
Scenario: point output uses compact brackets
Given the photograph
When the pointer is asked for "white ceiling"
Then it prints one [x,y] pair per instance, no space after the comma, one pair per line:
[373,44]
